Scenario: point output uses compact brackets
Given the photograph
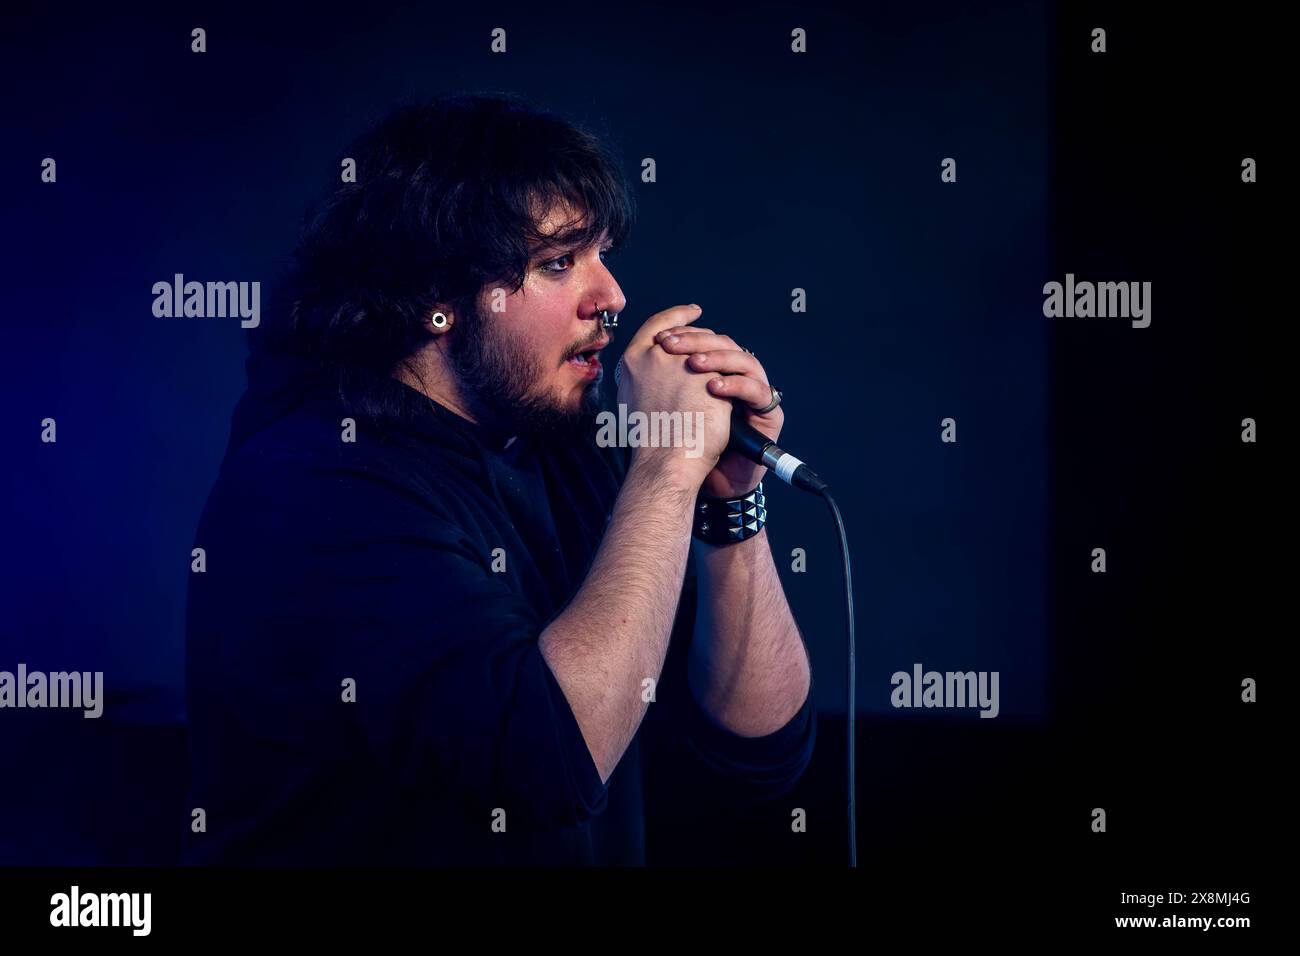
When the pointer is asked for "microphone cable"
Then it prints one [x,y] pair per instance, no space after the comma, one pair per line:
[851,716]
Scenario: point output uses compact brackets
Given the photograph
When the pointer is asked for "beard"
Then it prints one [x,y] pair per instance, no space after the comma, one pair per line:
[502,383]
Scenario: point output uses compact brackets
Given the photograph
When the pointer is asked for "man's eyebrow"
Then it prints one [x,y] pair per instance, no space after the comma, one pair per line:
[562,244]
[552,243]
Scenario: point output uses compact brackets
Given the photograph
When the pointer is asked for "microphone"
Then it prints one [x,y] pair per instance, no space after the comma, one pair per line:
[748,442]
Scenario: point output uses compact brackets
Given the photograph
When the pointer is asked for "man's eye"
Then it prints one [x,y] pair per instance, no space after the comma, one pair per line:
[547,266]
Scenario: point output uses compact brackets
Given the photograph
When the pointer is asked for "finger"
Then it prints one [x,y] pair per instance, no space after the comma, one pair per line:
[678,329]
[751,391]
[685,342]
[729,361]
[677,315]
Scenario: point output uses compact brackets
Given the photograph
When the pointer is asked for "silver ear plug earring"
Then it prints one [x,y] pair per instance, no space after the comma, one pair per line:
[608,319]
[439,320]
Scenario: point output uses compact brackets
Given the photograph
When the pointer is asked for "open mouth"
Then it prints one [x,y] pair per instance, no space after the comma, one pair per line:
[588,360]
[591,357]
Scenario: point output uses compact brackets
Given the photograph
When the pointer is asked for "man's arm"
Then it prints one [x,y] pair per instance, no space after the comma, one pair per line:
[747,665]
[614,633]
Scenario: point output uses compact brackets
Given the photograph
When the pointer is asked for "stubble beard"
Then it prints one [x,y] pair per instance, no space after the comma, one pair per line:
[501,382]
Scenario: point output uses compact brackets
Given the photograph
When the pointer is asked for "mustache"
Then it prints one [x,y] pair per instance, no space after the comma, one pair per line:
[585,346]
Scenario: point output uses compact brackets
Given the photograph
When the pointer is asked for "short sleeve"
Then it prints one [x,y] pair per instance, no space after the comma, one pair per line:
[338,573]
[758,768]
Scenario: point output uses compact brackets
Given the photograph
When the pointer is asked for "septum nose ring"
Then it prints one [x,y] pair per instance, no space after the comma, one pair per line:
[608,319]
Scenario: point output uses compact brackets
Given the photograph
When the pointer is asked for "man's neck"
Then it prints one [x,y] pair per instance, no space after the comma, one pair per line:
[427,372]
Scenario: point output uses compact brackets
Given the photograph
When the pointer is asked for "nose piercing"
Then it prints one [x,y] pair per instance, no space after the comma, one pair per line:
[608,319]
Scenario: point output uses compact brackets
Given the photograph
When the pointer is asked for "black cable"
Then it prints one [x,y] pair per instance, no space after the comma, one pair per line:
[851,714]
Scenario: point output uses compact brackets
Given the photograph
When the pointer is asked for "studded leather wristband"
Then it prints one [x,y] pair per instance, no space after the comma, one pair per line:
[730,520]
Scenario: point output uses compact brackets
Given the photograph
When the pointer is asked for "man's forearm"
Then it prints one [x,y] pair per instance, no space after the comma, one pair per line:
[614,633]
[748,667]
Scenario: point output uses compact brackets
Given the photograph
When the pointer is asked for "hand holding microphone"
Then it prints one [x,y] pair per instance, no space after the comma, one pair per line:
[734,373]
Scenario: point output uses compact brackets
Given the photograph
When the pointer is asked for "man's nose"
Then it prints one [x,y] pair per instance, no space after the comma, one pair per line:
[606,305]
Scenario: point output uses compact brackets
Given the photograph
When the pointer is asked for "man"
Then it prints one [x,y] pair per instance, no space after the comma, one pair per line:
[435,617]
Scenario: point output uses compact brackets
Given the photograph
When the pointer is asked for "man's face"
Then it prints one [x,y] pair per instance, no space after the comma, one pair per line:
[515,364]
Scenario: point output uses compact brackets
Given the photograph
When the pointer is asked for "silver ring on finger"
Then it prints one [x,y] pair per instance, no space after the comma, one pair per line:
[776,400]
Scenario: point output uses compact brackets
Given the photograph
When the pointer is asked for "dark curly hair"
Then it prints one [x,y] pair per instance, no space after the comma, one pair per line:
[447,201]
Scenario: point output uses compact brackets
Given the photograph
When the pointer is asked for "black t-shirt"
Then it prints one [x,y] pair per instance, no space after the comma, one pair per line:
[364,683]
